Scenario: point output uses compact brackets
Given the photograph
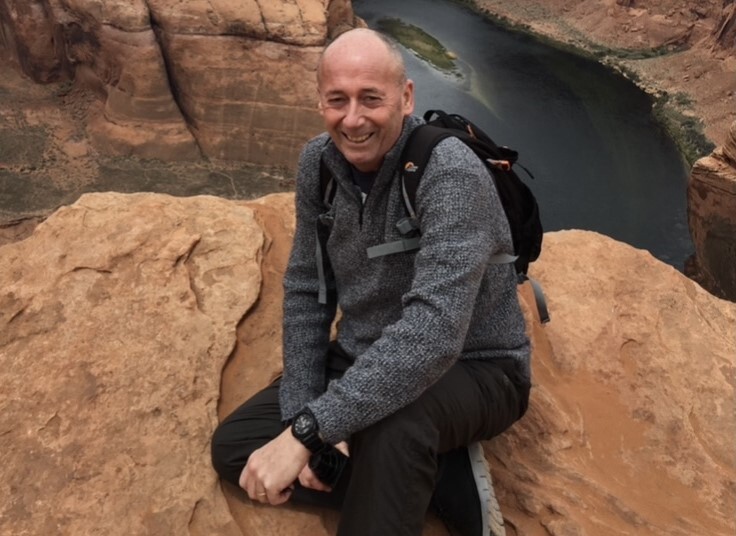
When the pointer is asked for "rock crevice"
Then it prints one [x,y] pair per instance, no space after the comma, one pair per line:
[170,77]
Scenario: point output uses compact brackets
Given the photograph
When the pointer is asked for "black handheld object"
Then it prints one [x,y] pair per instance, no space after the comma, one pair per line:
[328,464]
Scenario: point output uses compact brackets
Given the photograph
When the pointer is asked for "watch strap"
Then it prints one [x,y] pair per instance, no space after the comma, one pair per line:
[310,438]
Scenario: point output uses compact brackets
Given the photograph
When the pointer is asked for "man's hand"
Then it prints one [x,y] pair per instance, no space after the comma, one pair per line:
[308,479]
[269,475]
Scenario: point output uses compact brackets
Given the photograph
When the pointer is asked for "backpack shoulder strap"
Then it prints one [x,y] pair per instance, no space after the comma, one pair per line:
[327,186]
[414,159]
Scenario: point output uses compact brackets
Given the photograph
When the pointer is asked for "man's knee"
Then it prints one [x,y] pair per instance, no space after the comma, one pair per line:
[227,459]
[249,427]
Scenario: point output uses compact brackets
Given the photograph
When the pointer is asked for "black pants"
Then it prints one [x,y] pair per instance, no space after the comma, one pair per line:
[393,463]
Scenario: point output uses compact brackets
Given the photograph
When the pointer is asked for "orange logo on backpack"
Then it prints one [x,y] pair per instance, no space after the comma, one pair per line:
[410,167]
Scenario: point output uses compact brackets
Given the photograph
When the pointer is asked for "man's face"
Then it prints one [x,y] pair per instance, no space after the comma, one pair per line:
[363,101]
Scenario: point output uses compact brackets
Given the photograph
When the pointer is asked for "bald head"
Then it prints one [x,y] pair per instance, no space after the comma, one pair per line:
[364,96]
[361,42]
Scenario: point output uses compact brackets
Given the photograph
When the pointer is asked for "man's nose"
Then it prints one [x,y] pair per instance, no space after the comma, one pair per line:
[354,115]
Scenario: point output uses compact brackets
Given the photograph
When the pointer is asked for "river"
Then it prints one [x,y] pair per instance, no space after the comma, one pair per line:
[600,160]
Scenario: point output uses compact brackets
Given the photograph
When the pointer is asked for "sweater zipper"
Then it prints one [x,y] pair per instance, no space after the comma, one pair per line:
[358,196]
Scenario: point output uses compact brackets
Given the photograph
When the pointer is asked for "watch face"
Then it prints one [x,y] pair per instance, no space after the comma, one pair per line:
[303,424]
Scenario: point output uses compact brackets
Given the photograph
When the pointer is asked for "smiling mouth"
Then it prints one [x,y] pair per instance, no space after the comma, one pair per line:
[357,139]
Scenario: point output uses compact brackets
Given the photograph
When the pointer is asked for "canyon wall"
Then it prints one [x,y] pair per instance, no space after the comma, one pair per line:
[182,80]
[711,196]
[235,80]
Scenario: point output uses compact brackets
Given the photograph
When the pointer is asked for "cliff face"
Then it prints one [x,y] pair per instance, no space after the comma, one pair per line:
[725,34]
[113,360]
[234,80]
[181,80]
[711,196]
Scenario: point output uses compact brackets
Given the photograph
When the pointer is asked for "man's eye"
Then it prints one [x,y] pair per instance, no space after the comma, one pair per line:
[335,101]
[371,100]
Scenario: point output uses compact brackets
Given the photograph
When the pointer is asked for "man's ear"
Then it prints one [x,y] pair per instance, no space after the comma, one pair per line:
[407,98]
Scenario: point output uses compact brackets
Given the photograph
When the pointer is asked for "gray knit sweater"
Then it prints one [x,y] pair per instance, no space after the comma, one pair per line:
[406,317]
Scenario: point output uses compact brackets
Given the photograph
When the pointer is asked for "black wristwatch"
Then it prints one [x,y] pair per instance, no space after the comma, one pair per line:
[304,427]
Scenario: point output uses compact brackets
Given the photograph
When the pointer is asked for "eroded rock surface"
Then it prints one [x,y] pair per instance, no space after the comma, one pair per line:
[182,80]
[119,312]
[117,316]
[633,415]
[234,80]
[711,198]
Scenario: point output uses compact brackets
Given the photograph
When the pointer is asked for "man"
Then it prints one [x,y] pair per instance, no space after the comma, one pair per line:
[431,353]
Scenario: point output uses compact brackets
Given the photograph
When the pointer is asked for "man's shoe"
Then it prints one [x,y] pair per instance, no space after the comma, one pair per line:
[463,497]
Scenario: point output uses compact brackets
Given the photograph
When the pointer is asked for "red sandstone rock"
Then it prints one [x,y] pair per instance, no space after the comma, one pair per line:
[711,198]
[116,318]
[182,80]
[632,414]
[724,35]
[119,312]
[199,66]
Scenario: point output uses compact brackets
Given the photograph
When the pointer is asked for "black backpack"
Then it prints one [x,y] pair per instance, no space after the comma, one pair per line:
[517,199]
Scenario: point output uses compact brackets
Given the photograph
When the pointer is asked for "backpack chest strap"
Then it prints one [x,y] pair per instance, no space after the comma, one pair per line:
[397,246]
